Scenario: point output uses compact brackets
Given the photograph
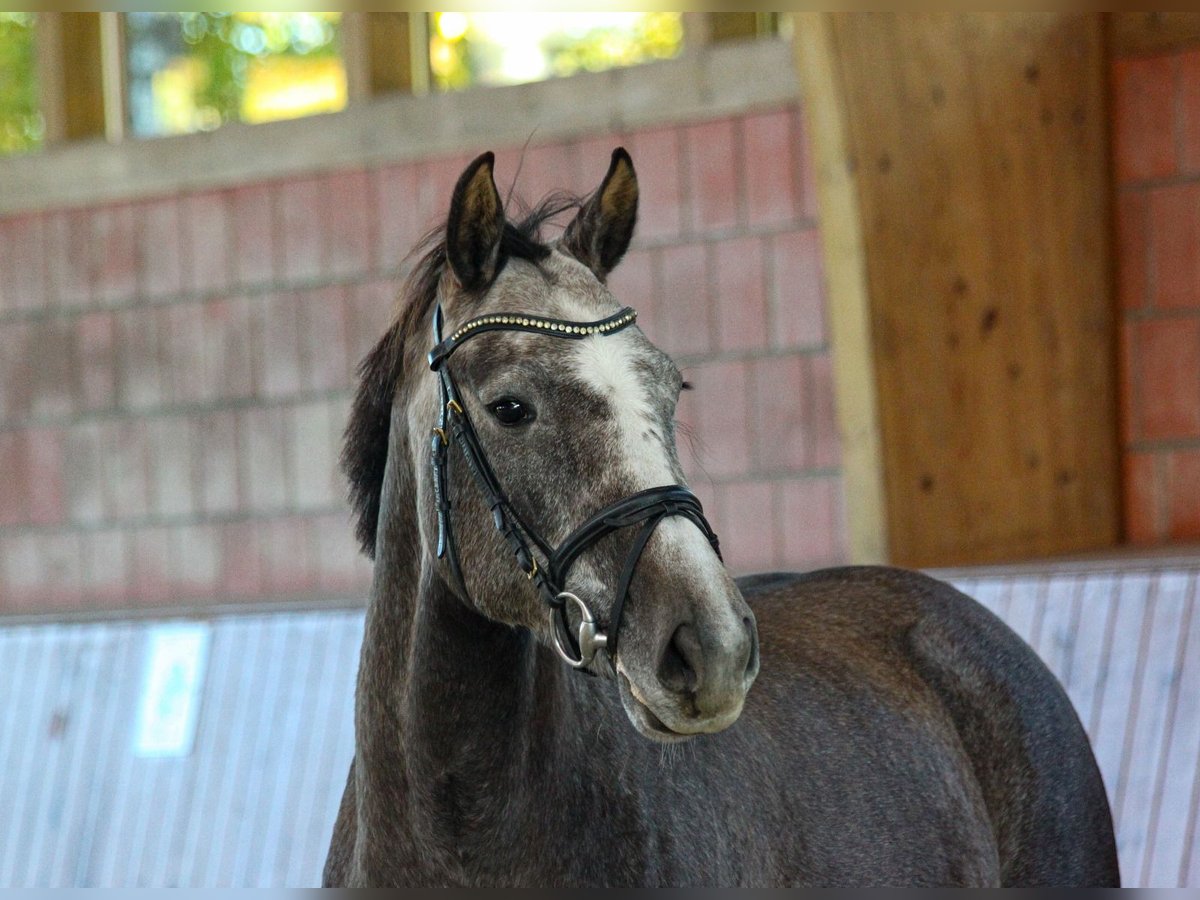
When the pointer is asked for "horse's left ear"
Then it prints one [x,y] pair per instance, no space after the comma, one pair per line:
[601,232]
[475,225]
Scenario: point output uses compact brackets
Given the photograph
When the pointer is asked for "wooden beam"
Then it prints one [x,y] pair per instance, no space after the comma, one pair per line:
[846,281]
[1146,33]
[71,73]
[397,53]
[974,148]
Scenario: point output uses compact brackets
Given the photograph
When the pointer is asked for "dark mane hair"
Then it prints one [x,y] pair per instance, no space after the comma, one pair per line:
[365,440]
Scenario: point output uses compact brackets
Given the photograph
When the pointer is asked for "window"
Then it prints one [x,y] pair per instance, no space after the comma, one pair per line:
[21,124]
[490,48]
[193,71]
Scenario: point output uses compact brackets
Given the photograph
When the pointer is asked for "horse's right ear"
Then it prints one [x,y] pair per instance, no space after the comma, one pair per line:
[475,226]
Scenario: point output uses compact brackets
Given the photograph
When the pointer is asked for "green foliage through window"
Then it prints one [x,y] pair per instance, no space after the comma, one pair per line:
[193,71]
[484,48]
[22,127]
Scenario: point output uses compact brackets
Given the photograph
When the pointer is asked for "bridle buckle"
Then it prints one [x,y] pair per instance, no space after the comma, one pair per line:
[591,639]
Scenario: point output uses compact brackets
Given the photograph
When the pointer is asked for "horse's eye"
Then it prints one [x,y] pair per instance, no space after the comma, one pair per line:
[509,411]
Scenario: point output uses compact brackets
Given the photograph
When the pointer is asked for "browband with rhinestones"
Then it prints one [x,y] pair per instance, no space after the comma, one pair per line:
[535,324]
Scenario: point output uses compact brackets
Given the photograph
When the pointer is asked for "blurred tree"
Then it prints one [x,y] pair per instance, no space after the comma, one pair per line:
[656,35]
[196,70]
[21,124]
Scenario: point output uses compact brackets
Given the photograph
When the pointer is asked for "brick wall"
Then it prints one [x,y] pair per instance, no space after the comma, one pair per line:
[1156,134]
[175,373]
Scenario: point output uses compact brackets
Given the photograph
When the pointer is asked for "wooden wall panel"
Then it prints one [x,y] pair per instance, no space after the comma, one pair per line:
[978,145]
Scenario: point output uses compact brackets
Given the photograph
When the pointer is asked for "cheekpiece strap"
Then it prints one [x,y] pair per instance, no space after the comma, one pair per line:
[534,324]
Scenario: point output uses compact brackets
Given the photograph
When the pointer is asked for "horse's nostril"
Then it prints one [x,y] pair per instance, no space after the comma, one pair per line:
[677,669]
[752,655]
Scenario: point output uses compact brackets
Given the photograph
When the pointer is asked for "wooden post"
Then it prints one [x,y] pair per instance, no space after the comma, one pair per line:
[963,167]
[846,281]
[71,75]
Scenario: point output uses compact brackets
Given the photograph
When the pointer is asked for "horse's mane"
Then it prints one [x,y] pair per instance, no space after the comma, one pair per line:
[365,441]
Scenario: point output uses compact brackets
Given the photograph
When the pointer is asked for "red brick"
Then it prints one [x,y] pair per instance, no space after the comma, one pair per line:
[126,456]
[716,411]
[341,568]
[399,226]
[196,562]
[812,522]
[740,306]
[827,444]
[52,358]
[771,168]
[797,300]
[1188,105]
[658,162]
[435,184]
[749,540]
[806,166]
[548,169]
[114,257]
[95,348]
[69,273]
[22,571]
[158,241]
[349,224]
[1168,397]
[1143,497]
[780,414]
[217,463]
[314,438]
[593,156]
[371,307]
[241,559]
[181,330]
[84,470]
[17,364]
[287,556]
[1133,262]
[684,317]
[26,279]
[1175,243]
[714,170]
[14,486]
[227,338]
[107,566]
[171,466]
[262,445]
[324,365]
[61,564]
[140,383]
[8,300]
[151,558]
[254,247]
[1183,491]
[303,211]
[207,229]
[45,471]
[1143,118]
[277,353]
[633,284]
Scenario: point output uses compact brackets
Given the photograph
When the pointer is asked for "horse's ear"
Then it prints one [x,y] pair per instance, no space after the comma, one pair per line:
[601,232]
[475,226]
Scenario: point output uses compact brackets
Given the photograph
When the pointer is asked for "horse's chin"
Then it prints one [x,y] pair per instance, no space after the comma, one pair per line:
[649,725]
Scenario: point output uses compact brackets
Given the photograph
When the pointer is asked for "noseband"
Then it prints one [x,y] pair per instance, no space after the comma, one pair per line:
[645,508]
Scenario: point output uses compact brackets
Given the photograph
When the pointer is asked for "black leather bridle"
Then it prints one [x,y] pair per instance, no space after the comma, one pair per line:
[646,508]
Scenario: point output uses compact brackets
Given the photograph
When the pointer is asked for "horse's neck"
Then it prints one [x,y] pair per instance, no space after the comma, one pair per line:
[451,707]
